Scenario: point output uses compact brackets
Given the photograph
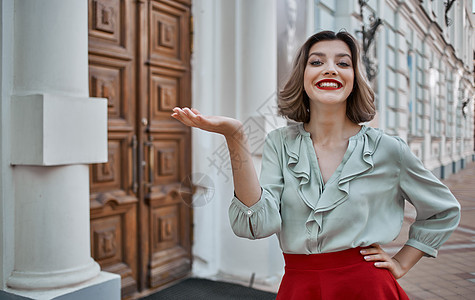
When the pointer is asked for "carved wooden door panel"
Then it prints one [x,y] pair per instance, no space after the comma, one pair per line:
[166,66]
[139,60]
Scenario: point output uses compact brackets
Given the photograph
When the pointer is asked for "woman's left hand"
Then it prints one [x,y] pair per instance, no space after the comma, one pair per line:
[381,259]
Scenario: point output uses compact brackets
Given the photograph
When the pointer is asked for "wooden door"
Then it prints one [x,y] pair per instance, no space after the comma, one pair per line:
[139,59]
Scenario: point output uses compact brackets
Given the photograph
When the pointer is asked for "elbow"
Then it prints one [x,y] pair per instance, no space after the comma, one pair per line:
[451,217]
[265,230]
[243,231]
[455,212]
[252,231]
[452,214]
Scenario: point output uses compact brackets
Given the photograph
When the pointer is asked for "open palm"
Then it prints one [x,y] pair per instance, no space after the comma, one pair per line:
[218,124]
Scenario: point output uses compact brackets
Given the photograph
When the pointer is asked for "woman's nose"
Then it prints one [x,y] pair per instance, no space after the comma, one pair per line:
[330,71]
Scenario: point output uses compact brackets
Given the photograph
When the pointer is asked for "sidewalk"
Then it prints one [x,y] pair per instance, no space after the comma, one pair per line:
[452,274]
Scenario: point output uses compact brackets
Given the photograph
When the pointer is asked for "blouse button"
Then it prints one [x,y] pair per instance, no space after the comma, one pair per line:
[249,212]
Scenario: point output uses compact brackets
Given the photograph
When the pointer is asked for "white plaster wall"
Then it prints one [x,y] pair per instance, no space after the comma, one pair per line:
[256,79]
[234,74]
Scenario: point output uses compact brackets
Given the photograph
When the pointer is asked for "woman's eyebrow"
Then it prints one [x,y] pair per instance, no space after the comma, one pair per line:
[324,55]
[317,54]
[343,55]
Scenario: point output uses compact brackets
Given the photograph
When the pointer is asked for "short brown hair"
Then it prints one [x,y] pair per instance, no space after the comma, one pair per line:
[293,100]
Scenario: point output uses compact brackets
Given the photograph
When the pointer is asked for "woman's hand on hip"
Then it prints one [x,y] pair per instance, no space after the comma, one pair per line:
[381,259]
[218,124]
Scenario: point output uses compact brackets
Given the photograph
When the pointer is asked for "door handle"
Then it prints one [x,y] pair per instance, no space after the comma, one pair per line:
[151,159]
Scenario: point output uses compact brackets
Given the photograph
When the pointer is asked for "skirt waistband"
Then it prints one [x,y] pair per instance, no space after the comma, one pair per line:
[323,260]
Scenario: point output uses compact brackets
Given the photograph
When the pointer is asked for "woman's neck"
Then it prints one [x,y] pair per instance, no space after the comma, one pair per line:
[330,126]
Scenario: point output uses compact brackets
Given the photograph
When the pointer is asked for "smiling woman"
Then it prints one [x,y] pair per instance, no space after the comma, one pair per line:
[333,190]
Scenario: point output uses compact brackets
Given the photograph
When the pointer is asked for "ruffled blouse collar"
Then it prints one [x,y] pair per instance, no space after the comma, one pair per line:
[303,132]
[298,146]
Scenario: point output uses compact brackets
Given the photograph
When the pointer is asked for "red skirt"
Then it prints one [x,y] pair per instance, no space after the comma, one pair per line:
[338,275]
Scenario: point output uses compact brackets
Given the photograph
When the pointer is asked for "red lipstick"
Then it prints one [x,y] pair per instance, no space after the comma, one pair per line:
[328,84]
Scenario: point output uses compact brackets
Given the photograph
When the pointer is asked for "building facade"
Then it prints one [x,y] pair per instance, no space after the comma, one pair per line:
[67,226]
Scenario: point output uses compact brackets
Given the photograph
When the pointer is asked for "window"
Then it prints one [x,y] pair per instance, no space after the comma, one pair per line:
[420,95]
[325,15]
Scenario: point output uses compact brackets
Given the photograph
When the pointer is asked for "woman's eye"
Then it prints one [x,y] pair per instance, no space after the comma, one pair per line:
[343,64]
[316,63]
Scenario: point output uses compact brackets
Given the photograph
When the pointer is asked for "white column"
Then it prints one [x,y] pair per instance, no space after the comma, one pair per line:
[255,65]
[52,247]
[380,118]
[426,148]
[51,47]
[56,130]
[402,76]
[234,74]
[7,203]
[205,83]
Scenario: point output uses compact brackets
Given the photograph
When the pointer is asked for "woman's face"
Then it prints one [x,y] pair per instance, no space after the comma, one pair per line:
[329,74]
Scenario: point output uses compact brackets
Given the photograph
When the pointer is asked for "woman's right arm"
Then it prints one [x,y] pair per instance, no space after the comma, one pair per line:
[246,184]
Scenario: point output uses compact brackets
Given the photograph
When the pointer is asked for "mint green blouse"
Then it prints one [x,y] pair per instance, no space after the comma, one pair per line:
[361,204]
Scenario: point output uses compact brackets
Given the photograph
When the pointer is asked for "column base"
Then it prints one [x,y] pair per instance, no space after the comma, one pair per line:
[104,286]
[53,280]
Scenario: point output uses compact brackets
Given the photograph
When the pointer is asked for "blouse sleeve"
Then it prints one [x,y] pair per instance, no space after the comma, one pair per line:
[438,212]
[263,218]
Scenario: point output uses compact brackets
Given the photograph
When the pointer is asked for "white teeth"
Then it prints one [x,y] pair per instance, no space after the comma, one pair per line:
[328,84]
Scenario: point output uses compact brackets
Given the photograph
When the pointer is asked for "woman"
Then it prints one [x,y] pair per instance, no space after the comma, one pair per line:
[331,189]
